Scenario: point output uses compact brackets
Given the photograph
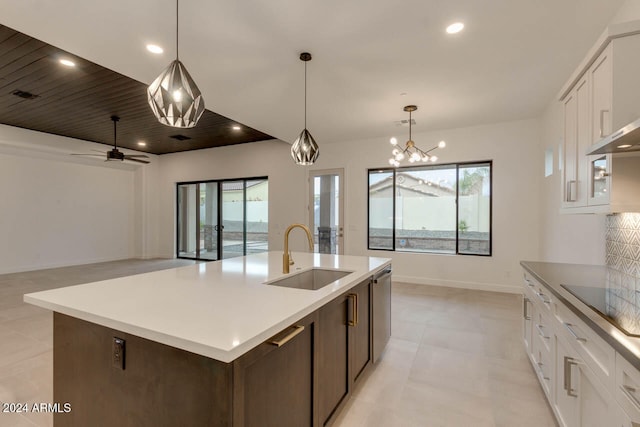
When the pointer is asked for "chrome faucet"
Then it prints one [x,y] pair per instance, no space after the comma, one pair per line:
[286,258]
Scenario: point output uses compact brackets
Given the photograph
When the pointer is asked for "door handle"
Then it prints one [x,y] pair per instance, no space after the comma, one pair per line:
[602,122]
[354,310]
[568,362]
[571,186]
[282,341]
[525,308]
[572,332]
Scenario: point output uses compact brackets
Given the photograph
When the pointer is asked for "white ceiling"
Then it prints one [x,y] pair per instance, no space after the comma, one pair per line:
[508,63]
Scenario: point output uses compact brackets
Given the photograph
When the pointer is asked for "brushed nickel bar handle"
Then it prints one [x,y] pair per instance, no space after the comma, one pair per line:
[541,332]
[628,391]
[297,330]
[571,197]
[542,298]
[572,332]
[568,362]
[602,122]
[525,308]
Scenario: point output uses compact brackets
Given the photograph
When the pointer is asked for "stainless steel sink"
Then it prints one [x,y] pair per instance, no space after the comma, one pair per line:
[312,280]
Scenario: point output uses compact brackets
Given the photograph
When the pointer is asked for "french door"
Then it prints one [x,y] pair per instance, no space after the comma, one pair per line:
[222,218]
[326,210]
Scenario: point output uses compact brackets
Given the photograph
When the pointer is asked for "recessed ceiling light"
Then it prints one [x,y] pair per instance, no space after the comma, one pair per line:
[142,143]
[154,48]
[236,127]
[624,146]
[67,63]
[455,28]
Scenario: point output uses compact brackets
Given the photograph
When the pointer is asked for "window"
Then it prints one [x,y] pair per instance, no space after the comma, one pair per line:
[222,219]
[434,209]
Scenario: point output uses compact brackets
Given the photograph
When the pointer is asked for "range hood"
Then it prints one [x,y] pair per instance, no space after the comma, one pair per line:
[624,140]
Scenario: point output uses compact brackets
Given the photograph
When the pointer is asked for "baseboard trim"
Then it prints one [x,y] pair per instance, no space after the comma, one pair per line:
[492,287]
[46,266]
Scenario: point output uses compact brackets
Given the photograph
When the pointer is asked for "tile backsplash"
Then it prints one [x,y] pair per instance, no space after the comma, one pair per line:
[623,244]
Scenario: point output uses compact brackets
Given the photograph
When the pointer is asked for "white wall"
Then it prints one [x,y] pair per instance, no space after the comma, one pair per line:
[629,11]
[59,210]
[512,146]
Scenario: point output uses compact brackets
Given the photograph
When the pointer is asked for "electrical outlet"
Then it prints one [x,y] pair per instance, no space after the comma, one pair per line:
[118,353]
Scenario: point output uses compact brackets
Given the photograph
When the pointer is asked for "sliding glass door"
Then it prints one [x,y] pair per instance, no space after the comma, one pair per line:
[222,219]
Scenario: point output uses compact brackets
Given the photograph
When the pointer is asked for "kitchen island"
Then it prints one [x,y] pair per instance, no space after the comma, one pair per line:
[212,344]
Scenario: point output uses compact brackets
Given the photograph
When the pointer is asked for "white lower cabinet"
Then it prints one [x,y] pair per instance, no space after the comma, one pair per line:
[563,359]
[565,402]
[627,392]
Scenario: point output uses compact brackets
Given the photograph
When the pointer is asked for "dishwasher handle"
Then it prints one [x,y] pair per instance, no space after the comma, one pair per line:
[379,277]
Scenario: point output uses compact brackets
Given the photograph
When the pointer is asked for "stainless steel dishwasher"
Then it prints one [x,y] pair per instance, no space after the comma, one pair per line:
[381,311]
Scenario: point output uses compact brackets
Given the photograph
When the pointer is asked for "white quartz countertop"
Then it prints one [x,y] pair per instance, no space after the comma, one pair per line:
[217,309]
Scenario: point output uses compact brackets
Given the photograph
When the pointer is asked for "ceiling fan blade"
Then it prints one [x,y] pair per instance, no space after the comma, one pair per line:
[87,154]
[100,151]
[137,155]
[135,160]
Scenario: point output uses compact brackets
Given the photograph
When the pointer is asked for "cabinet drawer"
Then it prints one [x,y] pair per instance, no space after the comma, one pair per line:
[542,364]
[593,350]
[542,331]
[540,295]
[627,389]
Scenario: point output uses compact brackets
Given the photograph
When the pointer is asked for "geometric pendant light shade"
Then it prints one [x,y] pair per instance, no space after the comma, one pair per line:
[304,150]
[173,96]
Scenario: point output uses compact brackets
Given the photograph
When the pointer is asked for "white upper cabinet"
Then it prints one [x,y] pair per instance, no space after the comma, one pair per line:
[603,97]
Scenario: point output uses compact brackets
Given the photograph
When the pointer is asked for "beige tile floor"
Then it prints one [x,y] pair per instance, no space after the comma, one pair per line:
[455,357]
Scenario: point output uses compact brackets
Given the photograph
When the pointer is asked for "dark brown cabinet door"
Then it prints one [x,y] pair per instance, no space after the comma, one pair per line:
[344,347]
[274,384]
[361,332]
[333,357]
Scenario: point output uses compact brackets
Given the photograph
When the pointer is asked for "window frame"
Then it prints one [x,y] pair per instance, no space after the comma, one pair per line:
[457,166]
[219,183]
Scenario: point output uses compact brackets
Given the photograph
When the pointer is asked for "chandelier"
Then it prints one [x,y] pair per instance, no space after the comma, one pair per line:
[410,150]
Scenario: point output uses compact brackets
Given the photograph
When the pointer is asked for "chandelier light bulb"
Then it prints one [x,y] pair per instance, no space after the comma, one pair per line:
[393,141]
[434,159]
[392,161]
[425,158]
[442,144]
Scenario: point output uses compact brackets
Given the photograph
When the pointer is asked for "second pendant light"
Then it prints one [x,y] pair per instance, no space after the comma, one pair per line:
[304,150]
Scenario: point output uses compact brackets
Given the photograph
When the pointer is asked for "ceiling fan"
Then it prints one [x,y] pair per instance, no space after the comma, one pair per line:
[116,154]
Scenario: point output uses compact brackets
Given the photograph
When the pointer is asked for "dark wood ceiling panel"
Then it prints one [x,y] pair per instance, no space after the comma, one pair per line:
[78,102]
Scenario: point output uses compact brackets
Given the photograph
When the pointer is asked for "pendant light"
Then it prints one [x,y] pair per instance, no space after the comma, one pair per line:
[304,150]
[411,151]
[173,96]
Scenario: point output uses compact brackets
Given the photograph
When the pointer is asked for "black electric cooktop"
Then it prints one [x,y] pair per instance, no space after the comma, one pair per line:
[619,306]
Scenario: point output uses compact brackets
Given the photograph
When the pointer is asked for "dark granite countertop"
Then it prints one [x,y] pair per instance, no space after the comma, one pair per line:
[553,275]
